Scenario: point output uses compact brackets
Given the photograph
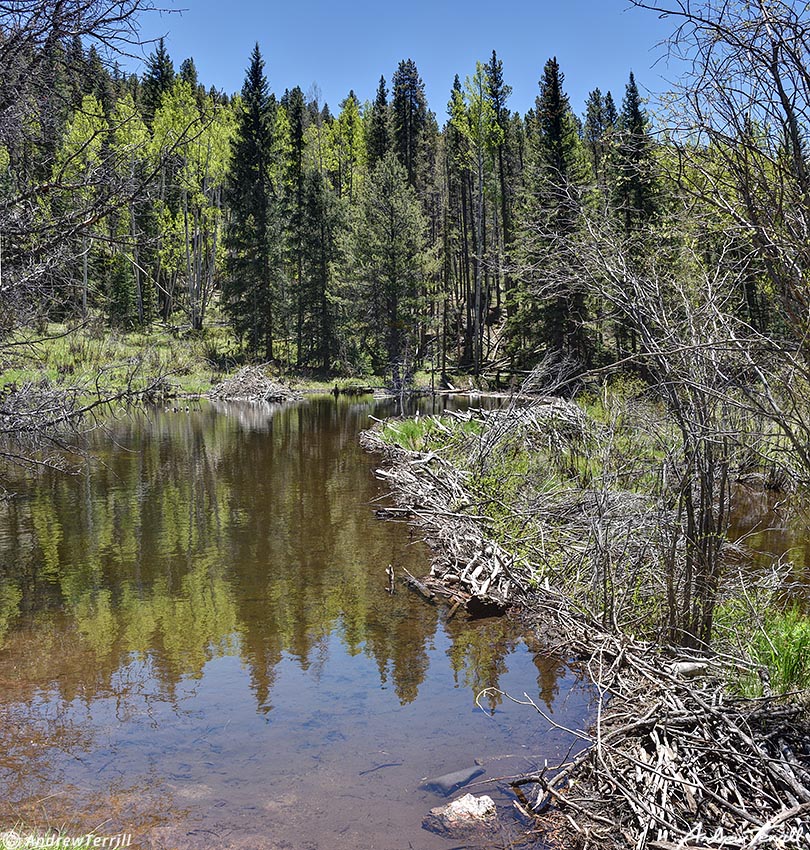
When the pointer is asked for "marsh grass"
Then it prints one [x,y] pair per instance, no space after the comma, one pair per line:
[62,357]
[781,644]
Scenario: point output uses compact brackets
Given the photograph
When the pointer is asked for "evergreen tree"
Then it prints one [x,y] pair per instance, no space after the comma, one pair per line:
[410,116]
[553,309]
[379,134]
[556,141]
[293,175]
[188,73]
[596,132]
[634,189]
[389,261]
[499,94]
[253,263]
[611,115]
[635,179]
[158,79]
[321,221]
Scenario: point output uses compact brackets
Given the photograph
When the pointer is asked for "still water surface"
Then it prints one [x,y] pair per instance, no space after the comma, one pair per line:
[197,646]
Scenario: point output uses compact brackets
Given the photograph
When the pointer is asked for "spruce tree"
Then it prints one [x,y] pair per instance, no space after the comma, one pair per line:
[635,179]
[158,79]
[556,138]
[410,116]
[594,132]
[611,115]
[321,217]
[253,264]
[553,309]
[293,174]
[188,73]
[379,134]
[389,261]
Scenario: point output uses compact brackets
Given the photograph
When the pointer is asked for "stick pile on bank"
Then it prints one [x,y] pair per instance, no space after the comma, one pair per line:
[467,567]
[672,762]
[251,383]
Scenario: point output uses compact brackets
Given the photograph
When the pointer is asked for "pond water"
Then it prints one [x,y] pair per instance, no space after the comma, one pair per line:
[197,646]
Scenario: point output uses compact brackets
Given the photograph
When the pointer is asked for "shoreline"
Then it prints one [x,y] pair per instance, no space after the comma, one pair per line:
[671,757]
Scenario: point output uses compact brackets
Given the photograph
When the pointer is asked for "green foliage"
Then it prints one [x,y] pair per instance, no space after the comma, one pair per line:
[389,262]
[252,285]
[552,306]
[409,120]
[158,79]
[780,644]
[378,134]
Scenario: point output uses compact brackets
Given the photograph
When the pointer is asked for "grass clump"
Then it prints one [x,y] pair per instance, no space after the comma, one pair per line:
[782,647]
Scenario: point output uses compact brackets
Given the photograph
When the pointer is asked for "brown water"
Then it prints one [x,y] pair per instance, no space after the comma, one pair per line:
[197,647]
[771,526]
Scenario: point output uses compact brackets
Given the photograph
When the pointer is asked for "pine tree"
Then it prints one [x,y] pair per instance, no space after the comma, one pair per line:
[253,264]
[293,174]
[595,131]
[611,115]
[635,177]
[319,233]
[158,79]
[388,262]
[379,134]
[556,140]
[553,309]
[410,115]
[188,73]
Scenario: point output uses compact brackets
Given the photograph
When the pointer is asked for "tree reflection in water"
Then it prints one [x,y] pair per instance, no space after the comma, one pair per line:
[233,532]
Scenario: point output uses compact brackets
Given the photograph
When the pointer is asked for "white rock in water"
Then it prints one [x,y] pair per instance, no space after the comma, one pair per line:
[465,815]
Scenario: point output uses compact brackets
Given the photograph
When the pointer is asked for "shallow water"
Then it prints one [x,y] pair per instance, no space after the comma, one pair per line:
[197,646]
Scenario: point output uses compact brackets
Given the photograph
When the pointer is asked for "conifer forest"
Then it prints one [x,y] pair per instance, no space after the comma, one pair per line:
[350,238]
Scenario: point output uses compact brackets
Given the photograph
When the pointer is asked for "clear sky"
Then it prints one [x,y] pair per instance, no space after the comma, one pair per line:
[347,45]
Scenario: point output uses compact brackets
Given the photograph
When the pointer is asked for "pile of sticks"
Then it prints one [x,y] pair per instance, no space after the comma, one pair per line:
[467,566]
[672,762]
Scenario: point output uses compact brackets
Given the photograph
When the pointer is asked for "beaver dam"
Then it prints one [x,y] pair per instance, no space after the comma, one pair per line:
[562,512]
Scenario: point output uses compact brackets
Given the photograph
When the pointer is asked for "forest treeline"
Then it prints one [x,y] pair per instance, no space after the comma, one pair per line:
[374,239]
[383,237]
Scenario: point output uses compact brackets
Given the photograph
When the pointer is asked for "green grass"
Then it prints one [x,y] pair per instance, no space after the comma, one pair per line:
[59,356]
[782,646]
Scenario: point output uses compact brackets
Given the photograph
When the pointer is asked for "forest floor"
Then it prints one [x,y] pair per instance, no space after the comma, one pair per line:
[687,749]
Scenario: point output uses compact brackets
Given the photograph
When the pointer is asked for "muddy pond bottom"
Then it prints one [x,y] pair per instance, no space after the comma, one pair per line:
[197,647]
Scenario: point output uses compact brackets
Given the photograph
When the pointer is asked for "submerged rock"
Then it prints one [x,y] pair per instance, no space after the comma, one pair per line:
[462,818]
[450,782]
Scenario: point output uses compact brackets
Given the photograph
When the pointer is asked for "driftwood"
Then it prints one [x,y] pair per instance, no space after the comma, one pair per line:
[467,566]
[668,764]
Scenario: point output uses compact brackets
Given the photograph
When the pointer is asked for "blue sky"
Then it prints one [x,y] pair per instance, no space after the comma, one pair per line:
[339,46]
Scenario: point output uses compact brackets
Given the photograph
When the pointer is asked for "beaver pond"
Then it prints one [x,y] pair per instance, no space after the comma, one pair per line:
[197,645]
